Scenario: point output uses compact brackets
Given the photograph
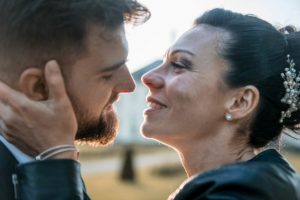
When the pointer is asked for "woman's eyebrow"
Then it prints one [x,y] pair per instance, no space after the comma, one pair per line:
[182,51]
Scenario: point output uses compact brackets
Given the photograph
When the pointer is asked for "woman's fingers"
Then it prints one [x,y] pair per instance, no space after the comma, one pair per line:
[34,126]
[10,96]
[55,81]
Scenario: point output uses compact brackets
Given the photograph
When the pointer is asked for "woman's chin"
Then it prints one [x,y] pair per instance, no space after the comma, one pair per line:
[149,131]
[154,133]
[146,130]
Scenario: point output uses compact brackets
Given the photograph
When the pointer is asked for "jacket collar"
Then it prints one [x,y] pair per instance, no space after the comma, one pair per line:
[18,154]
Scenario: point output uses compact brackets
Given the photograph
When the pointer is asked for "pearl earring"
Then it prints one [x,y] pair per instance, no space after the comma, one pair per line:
[228,116]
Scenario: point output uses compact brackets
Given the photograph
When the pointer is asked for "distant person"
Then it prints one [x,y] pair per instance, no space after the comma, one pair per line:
[86,38]
[227,88]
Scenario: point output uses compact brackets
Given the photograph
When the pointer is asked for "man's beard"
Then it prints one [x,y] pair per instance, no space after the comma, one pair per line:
[95,132]
[100,132]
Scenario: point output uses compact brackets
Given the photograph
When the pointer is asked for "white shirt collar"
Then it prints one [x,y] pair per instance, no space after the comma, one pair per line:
[17,153]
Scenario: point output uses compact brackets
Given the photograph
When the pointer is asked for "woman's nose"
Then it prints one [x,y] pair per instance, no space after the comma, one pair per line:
[153,79]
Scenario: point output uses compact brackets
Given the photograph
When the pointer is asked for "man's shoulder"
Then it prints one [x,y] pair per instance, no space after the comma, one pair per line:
[6,157]
[7,168]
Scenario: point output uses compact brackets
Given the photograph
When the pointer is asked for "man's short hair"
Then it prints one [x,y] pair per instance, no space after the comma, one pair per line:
[34,31]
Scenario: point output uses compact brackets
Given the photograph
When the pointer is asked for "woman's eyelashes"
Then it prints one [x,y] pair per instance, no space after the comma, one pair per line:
[181,64]
[178,65]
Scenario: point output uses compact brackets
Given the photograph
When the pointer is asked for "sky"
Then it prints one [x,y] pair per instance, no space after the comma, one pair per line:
[171,18]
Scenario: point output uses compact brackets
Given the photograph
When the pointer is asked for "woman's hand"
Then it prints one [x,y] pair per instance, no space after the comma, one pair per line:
[34,126]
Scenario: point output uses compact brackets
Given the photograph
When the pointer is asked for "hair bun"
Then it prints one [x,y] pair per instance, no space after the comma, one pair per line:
[288,29]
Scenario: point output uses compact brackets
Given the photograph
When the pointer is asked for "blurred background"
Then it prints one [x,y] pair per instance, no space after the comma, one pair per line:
[137,168]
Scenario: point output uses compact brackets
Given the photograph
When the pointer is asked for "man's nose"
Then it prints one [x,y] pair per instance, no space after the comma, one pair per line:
[126,83]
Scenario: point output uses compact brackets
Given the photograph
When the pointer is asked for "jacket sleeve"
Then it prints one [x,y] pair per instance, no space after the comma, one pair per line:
[49,179]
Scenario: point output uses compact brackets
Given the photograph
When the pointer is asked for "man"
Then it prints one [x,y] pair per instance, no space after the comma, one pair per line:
[83,41]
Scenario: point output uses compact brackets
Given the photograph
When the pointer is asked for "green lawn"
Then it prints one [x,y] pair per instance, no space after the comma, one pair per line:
[147,187]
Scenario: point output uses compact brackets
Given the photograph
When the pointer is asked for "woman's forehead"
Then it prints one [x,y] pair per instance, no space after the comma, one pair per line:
[196,40]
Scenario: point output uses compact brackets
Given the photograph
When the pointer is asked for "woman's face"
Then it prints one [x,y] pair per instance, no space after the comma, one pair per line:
[187,92]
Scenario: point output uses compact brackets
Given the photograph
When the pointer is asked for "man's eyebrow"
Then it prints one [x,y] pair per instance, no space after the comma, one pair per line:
[113,67]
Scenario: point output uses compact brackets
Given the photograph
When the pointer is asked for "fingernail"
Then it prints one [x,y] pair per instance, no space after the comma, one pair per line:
[53,65]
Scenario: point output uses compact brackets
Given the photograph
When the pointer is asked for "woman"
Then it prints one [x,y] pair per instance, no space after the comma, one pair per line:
[226,89]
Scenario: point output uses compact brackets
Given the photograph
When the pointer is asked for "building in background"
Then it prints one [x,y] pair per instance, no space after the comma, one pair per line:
[130,109]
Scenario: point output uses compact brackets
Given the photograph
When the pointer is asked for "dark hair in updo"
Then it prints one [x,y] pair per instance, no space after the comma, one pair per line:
[257,55]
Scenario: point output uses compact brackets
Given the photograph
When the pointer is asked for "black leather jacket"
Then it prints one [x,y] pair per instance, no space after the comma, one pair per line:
[50,180]
[8,165]
[267,176]
[53,179]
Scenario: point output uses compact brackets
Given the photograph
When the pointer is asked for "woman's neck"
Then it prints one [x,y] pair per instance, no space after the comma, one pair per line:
[200,156]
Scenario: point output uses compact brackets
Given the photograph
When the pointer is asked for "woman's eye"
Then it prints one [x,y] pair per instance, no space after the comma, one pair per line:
[178,65]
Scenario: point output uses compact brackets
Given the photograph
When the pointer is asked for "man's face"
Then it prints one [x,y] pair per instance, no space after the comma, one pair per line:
[94,83]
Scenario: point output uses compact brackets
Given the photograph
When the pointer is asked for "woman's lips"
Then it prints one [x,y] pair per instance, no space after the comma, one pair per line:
[154,105]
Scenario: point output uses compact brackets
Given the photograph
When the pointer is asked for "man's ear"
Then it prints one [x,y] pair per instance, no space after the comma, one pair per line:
[243,102]
[32,84]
